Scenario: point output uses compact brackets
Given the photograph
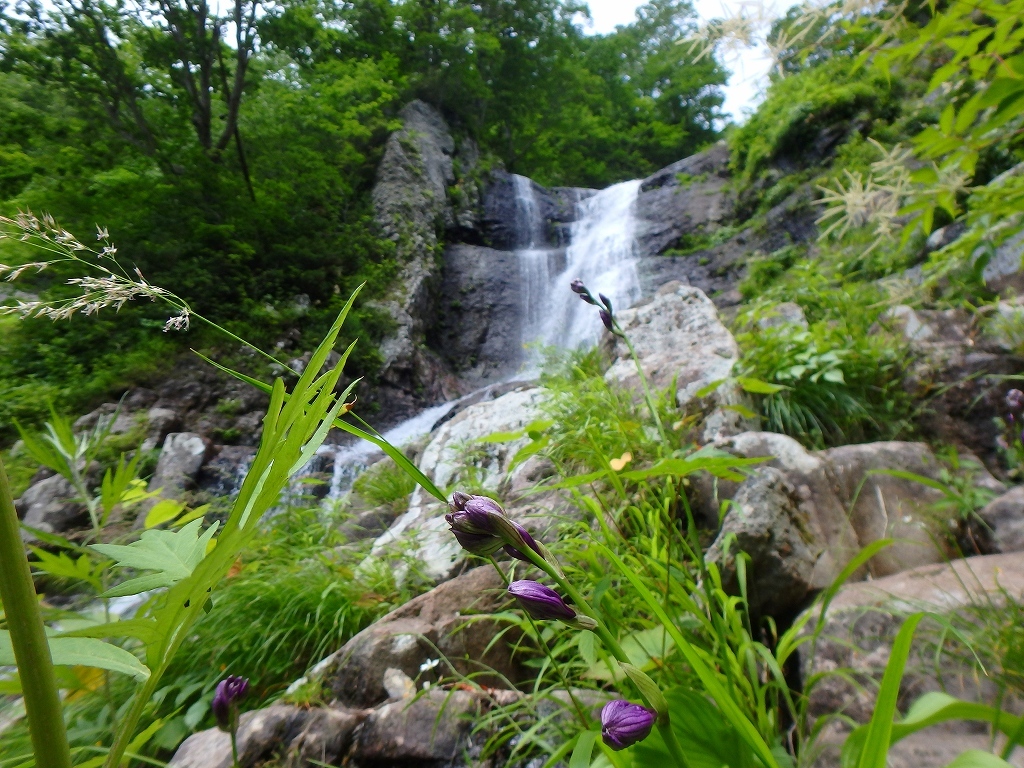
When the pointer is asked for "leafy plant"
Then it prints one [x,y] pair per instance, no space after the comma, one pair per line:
[385,484]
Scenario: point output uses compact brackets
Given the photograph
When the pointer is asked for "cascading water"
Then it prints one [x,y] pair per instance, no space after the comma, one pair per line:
[602,253]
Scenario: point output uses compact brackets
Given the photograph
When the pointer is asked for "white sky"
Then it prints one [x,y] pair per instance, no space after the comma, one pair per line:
[749,68]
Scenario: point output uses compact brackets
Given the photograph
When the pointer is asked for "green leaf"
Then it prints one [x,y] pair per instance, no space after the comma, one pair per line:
[583,750]
[975,758]
[82,652]
[647,687]
[163,511]
[758,387]
[173,554]
[877,739]
[141,629]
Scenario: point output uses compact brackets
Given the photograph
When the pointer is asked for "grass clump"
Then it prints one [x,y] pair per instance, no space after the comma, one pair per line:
[385,484]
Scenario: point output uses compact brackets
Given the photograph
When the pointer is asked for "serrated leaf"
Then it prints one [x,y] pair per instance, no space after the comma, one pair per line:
[172,554]
[82,652]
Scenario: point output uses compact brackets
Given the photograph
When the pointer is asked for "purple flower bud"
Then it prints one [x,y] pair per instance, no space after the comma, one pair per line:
[577,286]
[606,318]
[477,515]
[541,602]
[530,542]
[606,301]
[230,691]
[458,502]
[1015,399]
[624,724]
[479,544]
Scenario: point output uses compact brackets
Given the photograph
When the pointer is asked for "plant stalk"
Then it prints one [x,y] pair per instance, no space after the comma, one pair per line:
[31,651]
[643,380]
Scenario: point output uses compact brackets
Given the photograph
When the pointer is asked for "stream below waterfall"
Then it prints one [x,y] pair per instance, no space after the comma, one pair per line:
[601,251]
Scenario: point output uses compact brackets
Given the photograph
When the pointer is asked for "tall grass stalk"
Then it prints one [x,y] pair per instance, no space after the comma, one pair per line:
[28,638]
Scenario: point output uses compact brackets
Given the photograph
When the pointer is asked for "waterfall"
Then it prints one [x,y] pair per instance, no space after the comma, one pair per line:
[602,253]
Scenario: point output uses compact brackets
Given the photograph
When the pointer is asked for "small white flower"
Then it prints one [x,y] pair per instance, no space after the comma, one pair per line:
[428,665]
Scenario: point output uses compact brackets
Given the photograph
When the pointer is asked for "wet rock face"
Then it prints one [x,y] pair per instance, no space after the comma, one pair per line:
[477,325]
[501,220]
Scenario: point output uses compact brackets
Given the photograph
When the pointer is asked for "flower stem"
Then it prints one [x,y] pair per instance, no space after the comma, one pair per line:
[664,726]
[234,745]
[643,380]
[31,651]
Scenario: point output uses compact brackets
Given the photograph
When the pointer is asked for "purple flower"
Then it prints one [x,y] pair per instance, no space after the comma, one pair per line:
[624,724]
[606,301]
[541,602]
[458,502]
[230,691]
[577,287]
[1015,399]
[606,318]
[479,544]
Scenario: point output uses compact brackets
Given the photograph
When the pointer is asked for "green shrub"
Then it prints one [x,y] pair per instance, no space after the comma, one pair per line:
[841,383]
[800,107]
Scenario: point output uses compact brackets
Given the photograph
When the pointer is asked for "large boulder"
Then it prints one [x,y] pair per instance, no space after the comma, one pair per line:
[765,522]
[456,454]
[182,456]
[679,338]
[450,621]
[1004,518]
[849,656]
[50,506]
[839,500]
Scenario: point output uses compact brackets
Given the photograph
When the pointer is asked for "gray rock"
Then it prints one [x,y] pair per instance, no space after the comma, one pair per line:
[686,197]
[1005,517]
[430,730]
[410,200]
[298,735]
[765,521]
[183,455]
[678,335]
[884,506]
[368,524]
[478,322]
[181,458]
[786,313]
[48,506]
[864,618]
[160,422]
[816,492]
[437,622]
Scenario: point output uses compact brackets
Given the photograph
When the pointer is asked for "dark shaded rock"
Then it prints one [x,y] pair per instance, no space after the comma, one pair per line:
[952,371]
[431,730]
[223,474]
[684,198]
[298,735]
[766,522]
[479,316]
[408,636]
[502,220]
[48,506]
[1005,518]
